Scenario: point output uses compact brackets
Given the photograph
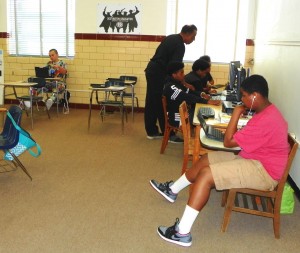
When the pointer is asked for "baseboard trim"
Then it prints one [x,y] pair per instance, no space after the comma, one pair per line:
[80,106]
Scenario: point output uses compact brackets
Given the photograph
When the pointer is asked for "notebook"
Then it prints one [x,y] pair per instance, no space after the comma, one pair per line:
[210,131]
[42,72]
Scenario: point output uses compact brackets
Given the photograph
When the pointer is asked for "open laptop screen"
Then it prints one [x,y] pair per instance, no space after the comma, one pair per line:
[42,72]
[202,122]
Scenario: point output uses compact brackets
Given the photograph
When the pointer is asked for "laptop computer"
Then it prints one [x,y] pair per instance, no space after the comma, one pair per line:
[210,131]
[42,72]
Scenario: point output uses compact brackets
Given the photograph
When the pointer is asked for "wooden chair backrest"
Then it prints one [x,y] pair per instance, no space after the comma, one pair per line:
[164,104]
[185,125]
[293,150]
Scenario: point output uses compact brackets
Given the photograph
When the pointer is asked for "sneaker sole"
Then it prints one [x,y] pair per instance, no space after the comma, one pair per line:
[175,142]
[154,138]
[184,244]
[161,193]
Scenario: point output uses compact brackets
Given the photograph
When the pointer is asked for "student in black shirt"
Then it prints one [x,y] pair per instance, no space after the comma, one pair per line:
[176,92]
[208,79]
[197,76]
[172,48]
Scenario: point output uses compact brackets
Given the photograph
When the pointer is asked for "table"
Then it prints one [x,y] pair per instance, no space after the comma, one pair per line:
[200,138]
[106,101]
[131,83]
[213,144]
[20,84]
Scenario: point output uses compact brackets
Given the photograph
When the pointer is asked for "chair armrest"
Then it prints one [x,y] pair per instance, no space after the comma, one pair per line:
[3,109]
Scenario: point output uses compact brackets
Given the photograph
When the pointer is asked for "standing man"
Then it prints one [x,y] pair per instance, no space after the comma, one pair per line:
[172,48]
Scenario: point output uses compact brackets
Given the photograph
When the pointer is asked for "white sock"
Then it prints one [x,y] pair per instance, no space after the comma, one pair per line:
[179,184]
[187,220]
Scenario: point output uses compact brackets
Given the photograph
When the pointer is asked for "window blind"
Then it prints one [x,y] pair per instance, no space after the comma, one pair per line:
[36,26]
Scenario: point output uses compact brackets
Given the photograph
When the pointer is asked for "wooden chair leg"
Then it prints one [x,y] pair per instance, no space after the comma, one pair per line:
[227,211]
[184,164]
[276,224]
[224,197]
[165,140]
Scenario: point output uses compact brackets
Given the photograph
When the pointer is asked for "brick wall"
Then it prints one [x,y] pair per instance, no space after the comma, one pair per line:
[97,59]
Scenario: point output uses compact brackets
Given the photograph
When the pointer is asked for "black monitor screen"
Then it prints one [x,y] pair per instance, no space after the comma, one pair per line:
[233,71]
[241,76]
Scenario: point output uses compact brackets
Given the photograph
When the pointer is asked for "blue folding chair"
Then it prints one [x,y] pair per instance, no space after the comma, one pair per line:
[9,137]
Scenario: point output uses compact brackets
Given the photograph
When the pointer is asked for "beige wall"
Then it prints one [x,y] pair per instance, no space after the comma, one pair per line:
[94,61]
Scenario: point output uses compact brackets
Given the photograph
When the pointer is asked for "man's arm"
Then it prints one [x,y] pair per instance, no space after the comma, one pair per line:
[231,129]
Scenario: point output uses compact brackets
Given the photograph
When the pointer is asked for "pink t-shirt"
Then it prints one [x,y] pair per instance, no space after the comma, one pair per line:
[264,138]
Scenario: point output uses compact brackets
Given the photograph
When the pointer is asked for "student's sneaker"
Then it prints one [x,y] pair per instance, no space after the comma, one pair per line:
[155,136]
[175,139]
[49,103]
[170,234]
[164,189]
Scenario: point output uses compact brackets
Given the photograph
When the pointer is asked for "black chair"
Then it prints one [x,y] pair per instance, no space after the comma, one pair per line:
[26,102]
[131,82]
[9,137]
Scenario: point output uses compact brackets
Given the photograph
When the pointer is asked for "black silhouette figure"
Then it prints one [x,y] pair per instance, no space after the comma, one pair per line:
[115,20]
[106,23]
[132,21]
[125,21]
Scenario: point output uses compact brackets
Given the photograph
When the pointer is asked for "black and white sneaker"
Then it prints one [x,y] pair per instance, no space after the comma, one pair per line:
[171,234]
[175,139]
[164,189]
[155,136]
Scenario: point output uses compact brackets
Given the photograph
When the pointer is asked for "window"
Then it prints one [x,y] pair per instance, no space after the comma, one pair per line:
[36,26]
[222,27]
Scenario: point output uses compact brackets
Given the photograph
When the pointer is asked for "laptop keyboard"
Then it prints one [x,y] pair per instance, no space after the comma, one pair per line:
[207,112]
[218,134]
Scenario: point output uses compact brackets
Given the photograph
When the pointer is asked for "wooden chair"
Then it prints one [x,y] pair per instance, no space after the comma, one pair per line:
[257,202]
[190,146]
[168,127]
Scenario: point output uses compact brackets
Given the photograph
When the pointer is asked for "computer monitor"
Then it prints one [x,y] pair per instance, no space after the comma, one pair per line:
[241,76]
[248,72]
[233,69]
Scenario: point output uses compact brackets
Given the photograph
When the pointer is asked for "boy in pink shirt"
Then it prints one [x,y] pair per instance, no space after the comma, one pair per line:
[259,165]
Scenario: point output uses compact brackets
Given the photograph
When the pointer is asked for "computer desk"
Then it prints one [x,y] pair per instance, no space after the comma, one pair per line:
[201,141]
